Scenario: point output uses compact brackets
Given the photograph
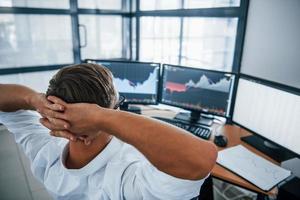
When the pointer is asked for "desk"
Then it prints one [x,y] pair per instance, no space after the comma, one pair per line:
[233,133]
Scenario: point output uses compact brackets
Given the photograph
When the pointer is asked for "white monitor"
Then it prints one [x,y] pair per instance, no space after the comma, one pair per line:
[269,112]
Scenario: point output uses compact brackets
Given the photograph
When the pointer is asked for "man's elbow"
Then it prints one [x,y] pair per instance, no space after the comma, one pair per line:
[204,165]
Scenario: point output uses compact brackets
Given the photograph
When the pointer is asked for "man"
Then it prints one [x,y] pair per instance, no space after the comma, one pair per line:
[127,157]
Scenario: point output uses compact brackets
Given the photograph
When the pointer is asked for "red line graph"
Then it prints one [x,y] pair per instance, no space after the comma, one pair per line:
[177,87]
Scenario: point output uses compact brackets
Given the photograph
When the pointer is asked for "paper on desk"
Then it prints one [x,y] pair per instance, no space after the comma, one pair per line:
[252,167]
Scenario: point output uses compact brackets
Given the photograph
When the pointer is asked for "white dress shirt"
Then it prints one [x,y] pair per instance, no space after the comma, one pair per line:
[120,171]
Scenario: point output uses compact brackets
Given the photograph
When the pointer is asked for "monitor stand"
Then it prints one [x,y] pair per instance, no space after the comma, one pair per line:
[272,150]
[130,108]
[195,117]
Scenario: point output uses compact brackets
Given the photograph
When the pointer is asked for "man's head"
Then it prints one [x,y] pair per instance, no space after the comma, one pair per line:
[84,83]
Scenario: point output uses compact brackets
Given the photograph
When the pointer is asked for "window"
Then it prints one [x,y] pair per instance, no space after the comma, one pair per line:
[39,81]
[104,36]
[209,42]
[35,40]
[36,3]
[133,38]
[160,4]
[159,39]
[210,3]
[102,4]
[177,4]
[206,42]
[183,32]
[193,33]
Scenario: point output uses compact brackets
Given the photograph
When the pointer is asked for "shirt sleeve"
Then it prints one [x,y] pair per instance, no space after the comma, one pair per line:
[41,149]
[163,186]
[141,180]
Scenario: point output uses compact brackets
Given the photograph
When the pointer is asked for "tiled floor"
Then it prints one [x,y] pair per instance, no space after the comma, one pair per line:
[16,179]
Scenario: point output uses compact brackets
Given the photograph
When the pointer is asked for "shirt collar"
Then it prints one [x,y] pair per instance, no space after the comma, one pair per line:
[97,163]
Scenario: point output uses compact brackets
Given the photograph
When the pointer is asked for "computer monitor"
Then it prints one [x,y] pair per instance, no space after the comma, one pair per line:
[136,81]
[197,90]
[272,114]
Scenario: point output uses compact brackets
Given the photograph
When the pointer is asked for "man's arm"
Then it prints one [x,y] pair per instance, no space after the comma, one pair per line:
[170,149]
[15,97]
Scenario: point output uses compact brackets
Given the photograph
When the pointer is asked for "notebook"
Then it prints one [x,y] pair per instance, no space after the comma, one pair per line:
[252,167]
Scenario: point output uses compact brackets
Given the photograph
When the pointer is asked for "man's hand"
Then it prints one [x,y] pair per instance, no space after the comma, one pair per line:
[39,102]
[77,120]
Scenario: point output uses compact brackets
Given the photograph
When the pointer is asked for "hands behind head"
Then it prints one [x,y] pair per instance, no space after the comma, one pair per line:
[43,106]
[70,121]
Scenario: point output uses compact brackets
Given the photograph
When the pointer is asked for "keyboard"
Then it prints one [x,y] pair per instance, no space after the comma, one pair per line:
[195,129]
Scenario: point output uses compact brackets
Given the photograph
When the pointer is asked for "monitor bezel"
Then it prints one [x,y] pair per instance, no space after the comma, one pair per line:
[227,115]
[270,84]
[137,62]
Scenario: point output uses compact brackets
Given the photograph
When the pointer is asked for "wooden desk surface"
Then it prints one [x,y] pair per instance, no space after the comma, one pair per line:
[233,133]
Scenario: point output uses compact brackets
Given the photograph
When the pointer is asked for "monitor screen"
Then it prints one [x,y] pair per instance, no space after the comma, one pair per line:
[137,81]
[197,89]
[269,112]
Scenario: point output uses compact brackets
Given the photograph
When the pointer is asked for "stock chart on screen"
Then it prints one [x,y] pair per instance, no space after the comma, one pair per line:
[197,89]
[138,82]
